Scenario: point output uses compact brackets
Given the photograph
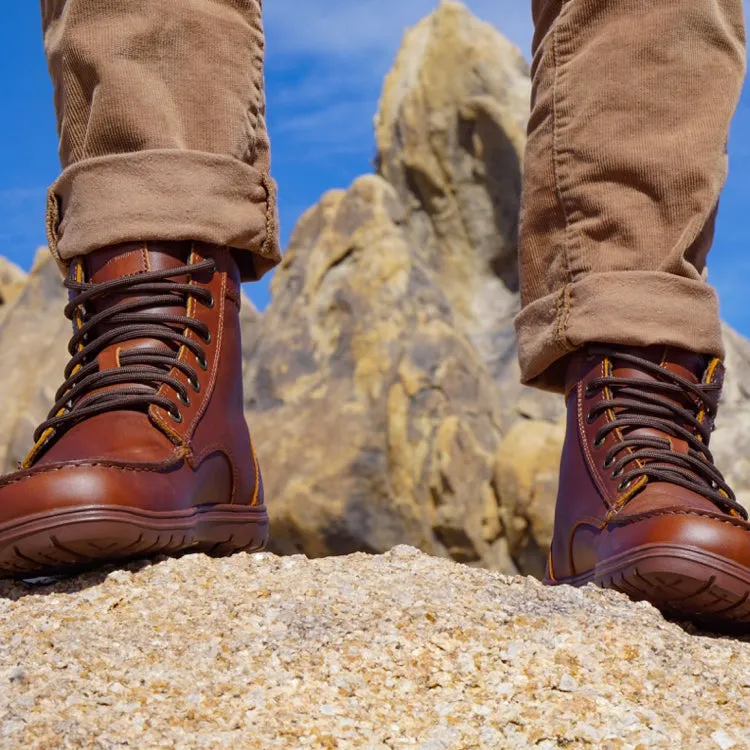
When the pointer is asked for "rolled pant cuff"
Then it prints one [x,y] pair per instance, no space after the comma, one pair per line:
[631,308]
[167,195]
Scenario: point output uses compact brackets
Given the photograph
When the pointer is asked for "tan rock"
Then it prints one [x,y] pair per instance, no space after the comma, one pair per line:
[375,420]
[371,390]
[526,478]
[400,650]
[730,444]
[450,133]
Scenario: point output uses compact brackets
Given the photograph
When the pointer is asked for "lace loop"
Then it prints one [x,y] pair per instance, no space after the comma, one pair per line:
[673,406]
[135,384]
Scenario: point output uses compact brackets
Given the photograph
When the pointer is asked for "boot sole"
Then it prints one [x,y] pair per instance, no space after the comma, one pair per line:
[683,582]
[71,540]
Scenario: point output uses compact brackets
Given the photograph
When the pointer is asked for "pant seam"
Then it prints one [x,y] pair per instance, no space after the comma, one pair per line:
[562,316]
[563,306]
[254,102]
[269,247]
[52,224]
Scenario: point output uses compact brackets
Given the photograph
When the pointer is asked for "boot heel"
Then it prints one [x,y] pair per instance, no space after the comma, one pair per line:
[225,529]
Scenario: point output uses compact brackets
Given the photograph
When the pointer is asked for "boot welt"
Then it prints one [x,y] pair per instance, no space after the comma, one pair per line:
[70,540]
[684,582]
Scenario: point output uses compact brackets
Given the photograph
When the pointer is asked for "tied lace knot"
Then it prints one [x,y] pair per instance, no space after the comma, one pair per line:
[136,383]
[669,404]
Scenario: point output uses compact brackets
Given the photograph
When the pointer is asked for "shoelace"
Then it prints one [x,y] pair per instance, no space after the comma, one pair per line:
[657,404]
[141,371]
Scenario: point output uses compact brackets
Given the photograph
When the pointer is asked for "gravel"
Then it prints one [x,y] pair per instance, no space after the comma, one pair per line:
[394,651]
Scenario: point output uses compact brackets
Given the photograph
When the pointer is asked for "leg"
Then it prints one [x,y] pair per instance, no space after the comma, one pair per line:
[161,115]
[163,206]
[626,159]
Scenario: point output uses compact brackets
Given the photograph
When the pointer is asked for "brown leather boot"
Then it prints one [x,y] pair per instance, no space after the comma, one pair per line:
[641,506]
[146,450]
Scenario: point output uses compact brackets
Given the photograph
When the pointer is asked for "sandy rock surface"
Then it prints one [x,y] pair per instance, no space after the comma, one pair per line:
[394,651]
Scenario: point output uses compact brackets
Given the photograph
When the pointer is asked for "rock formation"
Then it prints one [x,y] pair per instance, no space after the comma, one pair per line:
[450,134]
[382,383]
[400,650]
[383,377]
[375,418]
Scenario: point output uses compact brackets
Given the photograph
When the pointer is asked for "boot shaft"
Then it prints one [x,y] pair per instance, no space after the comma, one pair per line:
[183,330]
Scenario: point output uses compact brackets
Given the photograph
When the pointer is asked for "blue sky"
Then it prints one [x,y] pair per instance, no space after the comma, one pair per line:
[325,67]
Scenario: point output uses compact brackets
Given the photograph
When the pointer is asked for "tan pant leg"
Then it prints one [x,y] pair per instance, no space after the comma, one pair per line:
[626,157]
[161,115]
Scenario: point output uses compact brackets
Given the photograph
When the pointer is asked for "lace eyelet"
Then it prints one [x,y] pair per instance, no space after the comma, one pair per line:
[623,486]
[599,443]
[589,391]
[195,384]
[183,399]
[207,338]
[617,474]
[590,419]
[210,303]
[203,363]
[175,416]
[609,463]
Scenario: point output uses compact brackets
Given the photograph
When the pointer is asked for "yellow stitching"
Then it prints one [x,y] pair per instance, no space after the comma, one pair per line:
[708,379]
[175,436]
[584,443]
[623,499]
[550,567]
[218,344]
[172,433]
[256,488]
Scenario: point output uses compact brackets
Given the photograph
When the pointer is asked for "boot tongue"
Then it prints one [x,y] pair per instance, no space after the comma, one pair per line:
[687,365]
[132,260]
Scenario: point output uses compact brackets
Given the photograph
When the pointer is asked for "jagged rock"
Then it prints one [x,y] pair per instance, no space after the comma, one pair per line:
[250,322]
[373,389]
[375,420]
[400,650]
[526,478]
[730,444]
[450,133]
